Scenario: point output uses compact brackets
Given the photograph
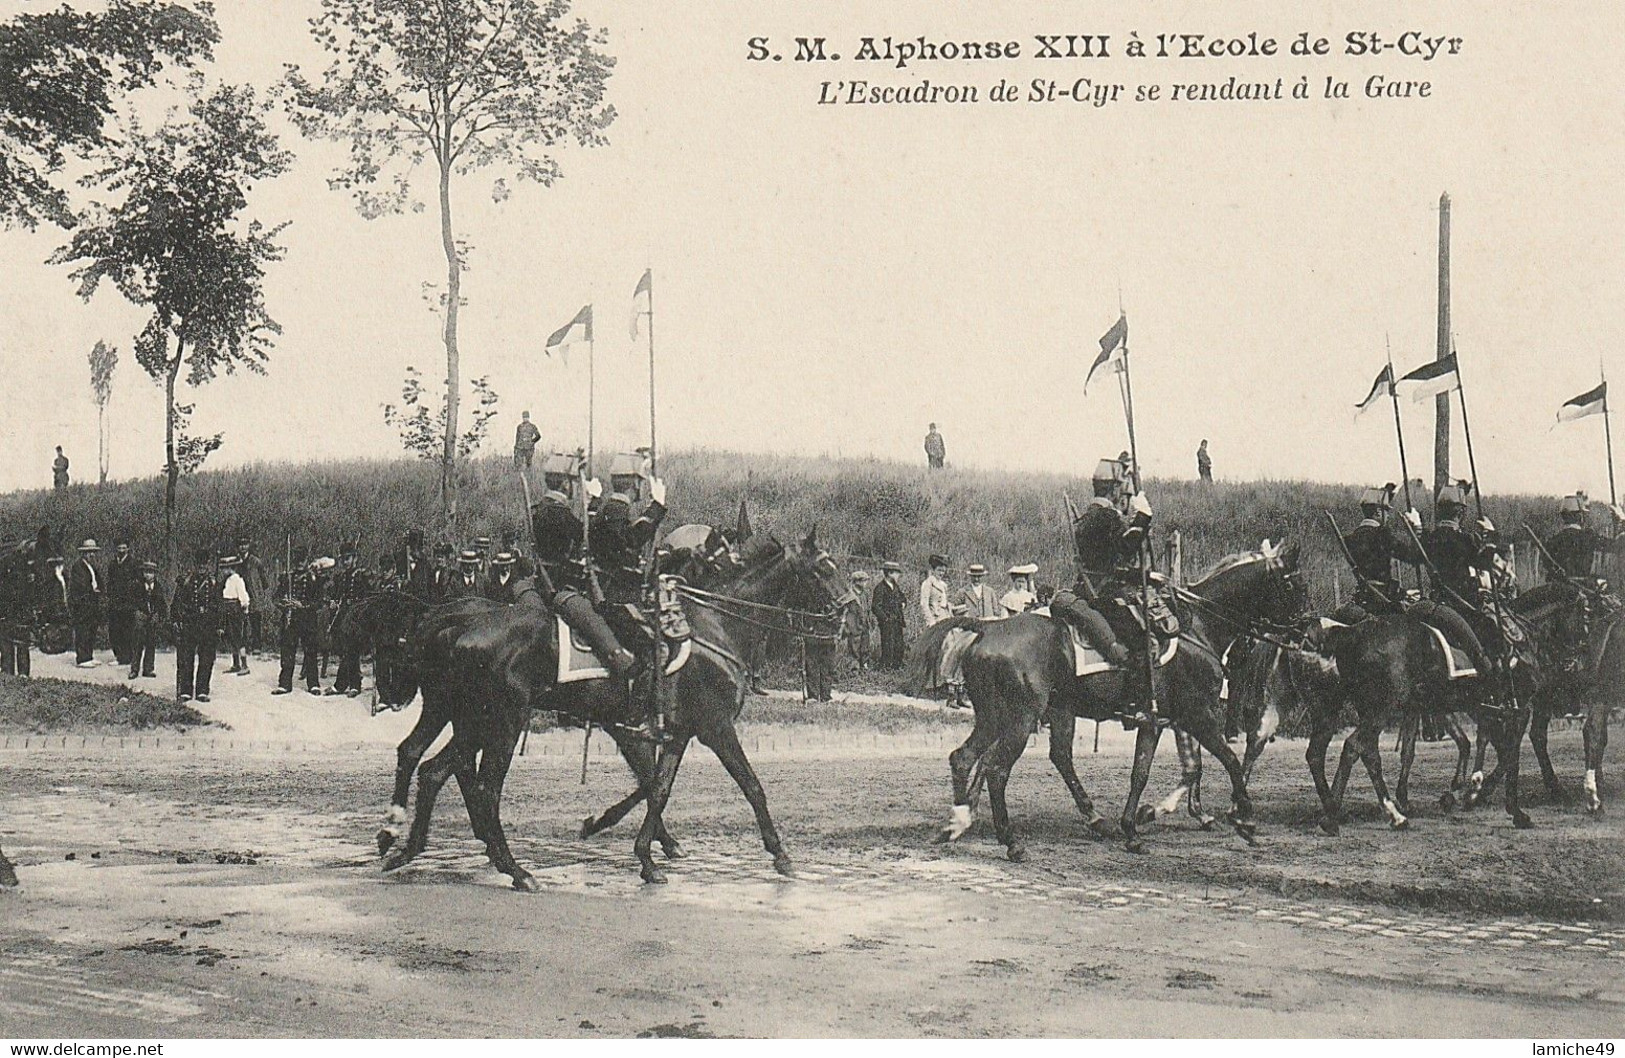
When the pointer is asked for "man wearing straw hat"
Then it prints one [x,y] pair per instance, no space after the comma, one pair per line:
[977,599]
[85,604]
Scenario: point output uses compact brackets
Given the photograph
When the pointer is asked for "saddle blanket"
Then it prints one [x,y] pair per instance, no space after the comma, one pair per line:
[1087,661]
[1457,665]
[577,661]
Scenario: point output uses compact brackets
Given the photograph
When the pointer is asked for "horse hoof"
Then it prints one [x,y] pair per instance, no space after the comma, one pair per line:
[654,875]
[782,864]
[1207,822]
[1016,853]
[674,851]
[8,877]
[587,825]
[1145,815]
[1522,821]
[386,838]
[525,883]
[1595,810]
[1399,824]
[395,861]
[1331,827]
[1447,801]
[1404,807]
[1247,832]
[1099,830]
[1136,846]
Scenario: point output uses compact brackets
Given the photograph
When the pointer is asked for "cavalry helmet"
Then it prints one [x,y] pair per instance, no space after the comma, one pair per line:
[1451,496]
[1374,497]
[1108,472]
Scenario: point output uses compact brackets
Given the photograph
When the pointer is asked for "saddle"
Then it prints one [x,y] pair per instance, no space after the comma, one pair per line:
[673,638]
[1087,661]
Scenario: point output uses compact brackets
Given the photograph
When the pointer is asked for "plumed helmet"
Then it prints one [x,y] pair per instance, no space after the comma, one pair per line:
[1108,472]
[1451,496]
[1374,497]
[1571,507]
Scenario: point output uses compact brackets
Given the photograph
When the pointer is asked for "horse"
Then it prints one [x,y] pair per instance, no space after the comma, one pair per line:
[486,670]
[1019,671]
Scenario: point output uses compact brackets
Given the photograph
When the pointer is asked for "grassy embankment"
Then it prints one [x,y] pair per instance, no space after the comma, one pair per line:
[40,706]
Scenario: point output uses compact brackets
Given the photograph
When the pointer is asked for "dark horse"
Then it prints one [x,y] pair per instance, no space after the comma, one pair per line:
[484,669]
[1019,672]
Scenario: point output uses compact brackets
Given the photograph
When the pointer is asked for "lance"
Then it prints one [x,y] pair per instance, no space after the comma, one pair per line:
[1608,437]
[1348,556]
[1399,432]
[1145,540]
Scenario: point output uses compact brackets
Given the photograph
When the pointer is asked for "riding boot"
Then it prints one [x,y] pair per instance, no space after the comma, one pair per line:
[579,614]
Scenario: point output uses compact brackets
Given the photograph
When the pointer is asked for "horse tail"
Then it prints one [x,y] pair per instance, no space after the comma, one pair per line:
[922,670]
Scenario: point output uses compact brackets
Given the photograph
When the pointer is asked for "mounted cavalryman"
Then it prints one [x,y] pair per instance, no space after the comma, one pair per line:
[1574,546]
[1458,553]
[1373,547]
[1108,547]
[618,545]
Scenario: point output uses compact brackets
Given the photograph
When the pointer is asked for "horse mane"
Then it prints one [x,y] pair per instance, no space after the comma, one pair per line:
[1225,565]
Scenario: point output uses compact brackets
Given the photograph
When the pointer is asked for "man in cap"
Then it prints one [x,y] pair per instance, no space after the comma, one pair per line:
[1020,597]
[978,599]
[302,597]
[85,604]
[1374,546]
[196,613]
[466,581]
[261,596]
[1204,463]
[888,604]
[1108,547]
[1574,546]
[123,578]
[350,582]
[59,471]
[151,611]
[857,622]
[936,453]
[934,603]
[525,436]
[234,605]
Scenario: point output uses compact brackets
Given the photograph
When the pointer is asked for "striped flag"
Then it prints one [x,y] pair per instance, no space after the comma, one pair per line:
[1591,402]
[1113,344]
[642,300]
[577,330]
[1380,389]
[1429,380]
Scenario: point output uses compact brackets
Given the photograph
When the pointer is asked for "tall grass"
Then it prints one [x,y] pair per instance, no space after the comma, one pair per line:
[865,510]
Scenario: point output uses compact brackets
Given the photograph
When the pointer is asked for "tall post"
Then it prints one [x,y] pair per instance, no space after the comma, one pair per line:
[1608,438]
[1145,542]
[1441,403]
[1467,435]
[651,314]
[1399,432]
[590,402]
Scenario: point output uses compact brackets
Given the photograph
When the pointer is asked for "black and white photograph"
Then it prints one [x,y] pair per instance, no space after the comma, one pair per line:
[587,521]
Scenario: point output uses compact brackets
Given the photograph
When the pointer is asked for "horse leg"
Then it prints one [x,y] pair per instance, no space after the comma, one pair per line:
[1188,790]
[1509,752]
[1371,756]
[432,775]
[1208,733]
[1332,823]
[1464,749]
[1409,728]
[965,764]
[1322,728]
[8,873]
[1000,760]
[659,791]
[1062,726]
[724,742]
[1539,721]
[493,773]
[407,755]
[1476,781]
[1145,751]
[1596,740]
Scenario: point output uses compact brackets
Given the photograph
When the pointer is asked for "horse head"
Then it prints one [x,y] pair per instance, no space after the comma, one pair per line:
[1258,585]
[820,575]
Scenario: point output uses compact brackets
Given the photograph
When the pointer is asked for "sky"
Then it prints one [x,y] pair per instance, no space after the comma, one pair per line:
[828,279]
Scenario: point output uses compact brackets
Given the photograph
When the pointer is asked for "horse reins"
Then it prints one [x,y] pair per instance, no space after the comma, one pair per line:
[744,610]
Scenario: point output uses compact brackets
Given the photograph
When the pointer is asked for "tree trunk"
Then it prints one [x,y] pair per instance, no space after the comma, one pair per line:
[172,470]
[101,442]
[454,284]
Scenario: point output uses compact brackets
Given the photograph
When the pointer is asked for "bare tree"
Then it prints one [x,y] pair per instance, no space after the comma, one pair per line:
[470,84]
[103,361]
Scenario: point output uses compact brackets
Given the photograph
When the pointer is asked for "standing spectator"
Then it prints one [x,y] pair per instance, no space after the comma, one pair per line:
[301,600]
[196,616]
[123,580]
[151,610]
[349,585]
[85,604]
[978,600]
[936,453]
[261,597]
[234,606]
[1204,462]
[857,622]
[934,604]
[59,470]
[525,436]
[888,607]
[1020,598]
[818,668]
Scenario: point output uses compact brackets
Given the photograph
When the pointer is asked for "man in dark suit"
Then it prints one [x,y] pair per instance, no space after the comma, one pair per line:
[123,579]
[150,613]
[889,604]
[197,624]
[466,580]
[301,597]
[85,599]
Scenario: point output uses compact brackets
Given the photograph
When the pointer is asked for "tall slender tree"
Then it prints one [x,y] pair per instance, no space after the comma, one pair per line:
[470,84]
[103,361]
[174,238]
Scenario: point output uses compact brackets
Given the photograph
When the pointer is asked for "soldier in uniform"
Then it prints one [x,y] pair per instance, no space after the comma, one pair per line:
[1374,545]
[1108,546]
[1575,545]
[196,616]
[85,595]
[151,611]
[618,543]
[466,581]
[1458,553]
[557,533]
[301,598]
[350,583]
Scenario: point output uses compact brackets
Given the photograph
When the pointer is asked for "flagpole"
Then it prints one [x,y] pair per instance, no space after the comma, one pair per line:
[1608,437]
[1399,432]
[1467,434]
[1145,540]
[652,464]
[590,399]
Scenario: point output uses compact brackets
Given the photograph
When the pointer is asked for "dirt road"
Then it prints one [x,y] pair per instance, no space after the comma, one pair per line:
[185,892]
